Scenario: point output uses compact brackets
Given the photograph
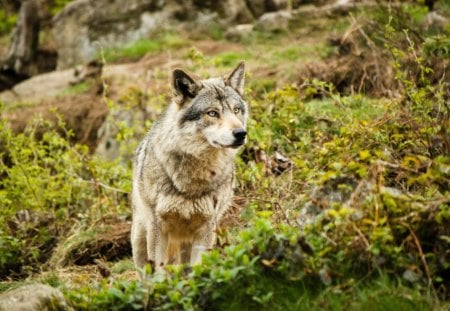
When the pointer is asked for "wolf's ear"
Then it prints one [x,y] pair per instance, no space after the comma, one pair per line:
[184,85]
[236,78]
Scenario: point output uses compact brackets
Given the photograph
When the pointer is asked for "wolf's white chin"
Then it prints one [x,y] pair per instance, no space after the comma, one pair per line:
[215,144]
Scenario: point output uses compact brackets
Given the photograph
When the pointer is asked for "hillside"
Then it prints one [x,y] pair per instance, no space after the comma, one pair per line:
[342,198]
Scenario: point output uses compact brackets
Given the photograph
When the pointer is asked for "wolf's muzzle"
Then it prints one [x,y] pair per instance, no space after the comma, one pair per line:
[239,136]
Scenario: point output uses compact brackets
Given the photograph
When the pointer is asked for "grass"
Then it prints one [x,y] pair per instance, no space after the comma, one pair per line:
[228,59]
[352,108]
[138,49]
[381,294]
[266,291]
[295,53]
[76,89]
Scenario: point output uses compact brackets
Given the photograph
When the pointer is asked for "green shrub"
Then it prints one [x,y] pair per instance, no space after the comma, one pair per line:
[266,268]
[7,22]
[58,5]
[46,187]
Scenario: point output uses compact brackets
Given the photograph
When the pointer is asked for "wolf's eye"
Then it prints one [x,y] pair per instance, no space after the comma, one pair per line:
[213,114]
[236,110]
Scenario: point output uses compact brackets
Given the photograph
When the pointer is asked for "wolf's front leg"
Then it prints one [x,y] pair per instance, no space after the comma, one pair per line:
[203,241]
[139,244]
[161,248]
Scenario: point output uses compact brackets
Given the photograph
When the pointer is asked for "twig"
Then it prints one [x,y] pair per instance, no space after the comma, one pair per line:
[356,193]
[326,237]
[422,257]
[393,165]
[97,183]
[283,212]
[361,235]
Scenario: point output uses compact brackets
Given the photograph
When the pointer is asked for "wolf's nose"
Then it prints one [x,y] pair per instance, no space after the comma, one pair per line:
[239,134]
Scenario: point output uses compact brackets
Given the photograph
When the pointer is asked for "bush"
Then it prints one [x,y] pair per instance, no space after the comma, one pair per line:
[267,268]
[47,186]
[8,21]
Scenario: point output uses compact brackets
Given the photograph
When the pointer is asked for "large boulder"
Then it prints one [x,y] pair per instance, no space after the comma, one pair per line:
[34,297]
[274,21]
[259,7]
[83,27]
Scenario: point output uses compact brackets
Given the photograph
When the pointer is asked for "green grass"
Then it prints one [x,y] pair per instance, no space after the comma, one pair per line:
[227,59]
[350,108]
[7,22]
[294,53]
[138,49]
[381,294]
[79,88]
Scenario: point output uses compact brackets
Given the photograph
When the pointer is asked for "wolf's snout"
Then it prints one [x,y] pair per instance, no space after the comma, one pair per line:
[239,134]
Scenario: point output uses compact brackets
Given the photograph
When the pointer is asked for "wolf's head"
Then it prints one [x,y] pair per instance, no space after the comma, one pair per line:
[213,109]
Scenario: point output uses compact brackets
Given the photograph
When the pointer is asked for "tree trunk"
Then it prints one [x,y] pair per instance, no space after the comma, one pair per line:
[24,42]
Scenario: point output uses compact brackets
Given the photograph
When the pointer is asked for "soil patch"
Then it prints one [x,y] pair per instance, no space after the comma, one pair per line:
[83,114]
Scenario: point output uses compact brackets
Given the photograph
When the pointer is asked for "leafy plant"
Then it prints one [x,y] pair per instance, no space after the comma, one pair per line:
[8,21]
[47,184]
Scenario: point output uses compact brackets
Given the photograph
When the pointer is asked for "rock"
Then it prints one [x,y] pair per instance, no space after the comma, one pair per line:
[39,87]
[434,20]
[83,27]
[108,146]
[274,21]
[340,190]
[259,7]
[34,297]
[54,95]
[412,274]
[239,32]
[227,11]
[237,12]
[47,86]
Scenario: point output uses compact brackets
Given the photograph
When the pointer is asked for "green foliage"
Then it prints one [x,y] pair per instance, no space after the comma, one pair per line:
[136,50]
[438,46]
[266,268]
[75,89]
[10,250]
[416,12]
[123,296]
[46,186]
[7,22]
[226,59]
[58,5]
[215,31]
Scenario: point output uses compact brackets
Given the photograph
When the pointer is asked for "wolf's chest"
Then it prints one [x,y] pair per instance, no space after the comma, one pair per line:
[199,183]
[178,206]
[195,178]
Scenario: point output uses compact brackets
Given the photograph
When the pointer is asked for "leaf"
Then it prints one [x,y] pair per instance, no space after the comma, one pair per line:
[364,154]
[268,263]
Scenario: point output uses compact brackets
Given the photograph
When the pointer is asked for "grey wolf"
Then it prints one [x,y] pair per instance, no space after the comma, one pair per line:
[184,170]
